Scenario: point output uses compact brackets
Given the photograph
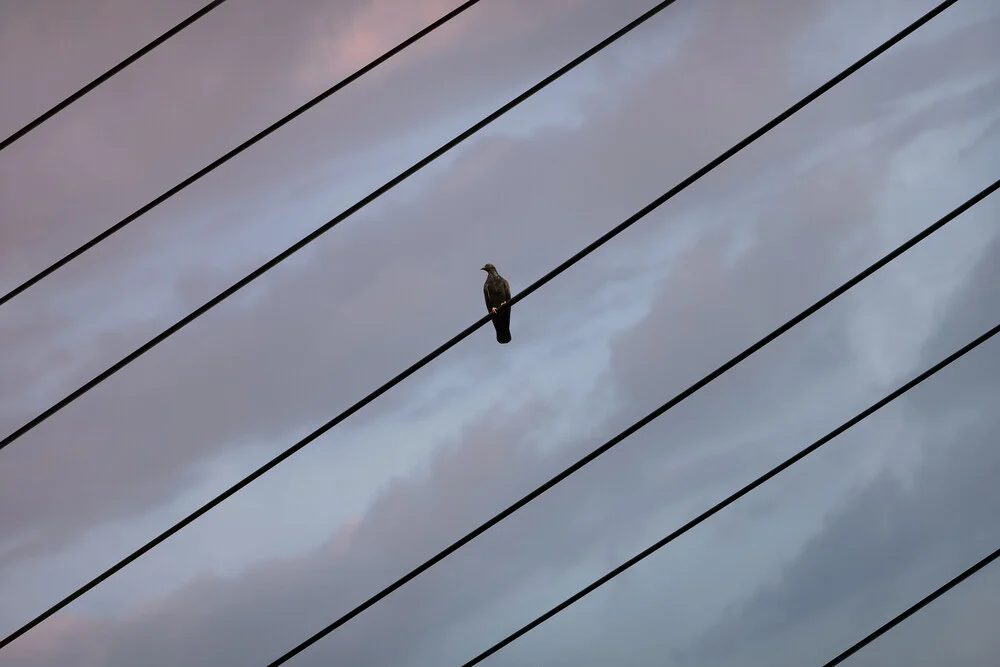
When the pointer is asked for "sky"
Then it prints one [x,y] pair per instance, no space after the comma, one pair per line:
[790,575]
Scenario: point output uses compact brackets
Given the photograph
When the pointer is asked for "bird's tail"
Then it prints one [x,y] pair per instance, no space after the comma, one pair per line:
[501,322]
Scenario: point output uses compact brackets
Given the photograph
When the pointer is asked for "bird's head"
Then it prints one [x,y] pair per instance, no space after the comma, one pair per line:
[489,268]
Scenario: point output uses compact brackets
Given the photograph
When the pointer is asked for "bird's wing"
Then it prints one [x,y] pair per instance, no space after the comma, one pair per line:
[506,290]
[486,295]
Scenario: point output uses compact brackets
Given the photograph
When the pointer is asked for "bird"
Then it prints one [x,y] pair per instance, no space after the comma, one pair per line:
[497,293]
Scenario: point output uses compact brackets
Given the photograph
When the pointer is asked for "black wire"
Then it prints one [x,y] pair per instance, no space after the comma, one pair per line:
[124,222]
[787,463]
[246,481]
[198,312]
[914,609]
[291,250]
[107,75]
[687,393]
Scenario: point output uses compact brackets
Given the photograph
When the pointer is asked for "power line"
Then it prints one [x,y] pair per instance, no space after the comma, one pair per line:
[618,439]
[288,252]
[246,481]
[132,217]
[107,75]
[787,463]
[315,234]
[914,609]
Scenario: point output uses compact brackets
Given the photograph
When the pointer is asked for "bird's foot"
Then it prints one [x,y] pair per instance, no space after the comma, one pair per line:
[494,311]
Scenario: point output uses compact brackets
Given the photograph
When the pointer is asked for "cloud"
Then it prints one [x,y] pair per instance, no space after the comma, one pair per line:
[893,541]
[410,521]
[59,361]
[618,334]
[160,429]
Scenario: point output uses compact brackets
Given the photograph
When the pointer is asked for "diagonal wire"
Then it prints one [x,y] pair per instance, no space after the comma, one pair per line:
[315,234]
[259,472]
[795,108]
[773,472]
[246,481]
[204,171]
[603,449]
[913,609]
[107,75]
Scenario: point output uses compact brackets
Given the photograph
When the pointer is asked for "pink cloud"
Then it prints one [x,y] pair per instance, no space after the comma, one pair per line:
[63,639]
[382,24]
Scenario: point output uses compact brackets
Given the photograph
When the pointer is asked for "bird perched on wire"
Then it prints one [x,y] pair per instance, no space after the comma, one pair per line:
[497,293]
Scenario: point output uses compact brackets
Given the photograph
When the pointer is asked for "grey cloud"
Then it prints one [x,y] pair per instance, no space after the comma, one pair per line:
[174,444]
[175,440]
[75,41]
[306,374]
[635,460]
[231,91]
[274,606]
[818,229]
[970,314]
[94,153]
[870,549]
[328,356]
[885,543]
[957,629]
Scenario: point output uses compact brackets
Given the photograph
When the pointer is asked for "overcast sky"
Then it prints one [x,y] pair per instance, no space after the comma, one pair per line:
[789,576]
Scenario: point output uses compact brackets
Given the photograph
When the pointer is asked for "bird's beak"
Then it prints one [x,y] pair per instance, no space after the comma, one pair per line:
[482,268]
